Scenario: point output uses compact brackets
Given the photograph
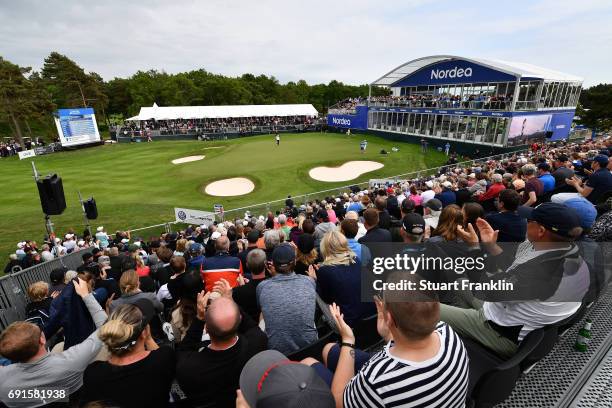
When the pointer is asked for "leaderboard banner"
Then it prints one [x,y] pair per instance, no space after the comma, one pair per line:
[77,126]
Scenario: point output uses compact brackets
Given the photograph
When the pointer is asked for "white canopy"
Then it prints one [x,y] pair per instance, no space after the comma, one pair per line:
[518,69]
[226,111]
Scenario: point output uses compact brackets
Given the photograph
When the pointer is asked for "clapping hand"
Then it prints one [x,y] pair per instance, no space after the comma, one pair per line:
[223,287]
[202,304]
[487,234]
[346,333]
[81,287]
[468,235]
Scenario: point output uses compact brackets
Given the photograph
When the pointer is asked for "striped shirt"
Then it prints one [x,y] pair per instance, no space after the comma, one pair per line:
[388,381]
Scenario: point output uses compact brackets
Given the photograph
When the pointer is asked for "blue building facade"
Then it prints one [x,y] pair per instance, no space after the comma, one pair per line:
[494,103]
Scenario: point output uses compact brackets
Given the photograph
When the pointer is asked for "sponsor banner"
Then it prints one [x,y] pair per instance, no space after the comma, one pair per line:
[26,153]
[189,216]
[357,121]
[453,72]
[40,150]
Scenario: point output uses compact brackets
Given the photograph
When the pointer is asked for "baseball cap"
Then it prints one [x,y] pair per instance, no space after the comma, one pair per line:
[100,229]
[553,216]
[283,254]
[447,184]
[215,235]
[195,248]
[148,312]
[407,205]
[584,208]
[434,204]
[601,159]
[269,379]
[413,223]
[544,166]
[305,243]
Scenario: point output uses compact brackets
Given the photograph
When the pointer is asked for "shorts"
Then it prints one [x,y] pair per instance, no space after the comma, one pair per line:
[327,373]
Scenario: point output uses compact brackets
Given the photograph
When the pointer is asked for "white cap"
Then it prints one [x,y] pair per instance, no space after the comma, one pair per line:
[80,242]
[125,241]
[472,175]
[215,235]
[447,184]
[69,236]
[337,199]
[137,243]
[20,245]
[100,229]
[245,223]
[429,183]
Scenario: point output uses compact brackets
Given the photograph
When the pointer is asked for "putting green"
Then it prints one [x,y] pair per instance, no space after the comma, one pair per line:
[136,185]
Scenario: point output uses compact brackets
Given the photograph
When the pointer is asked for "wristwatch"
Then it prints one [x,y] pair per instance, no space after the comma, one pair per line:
[343,344]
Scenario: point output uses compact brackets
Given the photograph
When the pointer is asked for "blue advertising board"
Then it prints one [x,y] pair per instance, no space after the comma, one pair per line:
[453,72]
[357,121]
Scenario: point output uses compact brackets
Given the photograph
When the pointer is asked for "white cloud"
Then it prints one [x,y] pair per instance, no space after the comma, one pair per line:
[354,42]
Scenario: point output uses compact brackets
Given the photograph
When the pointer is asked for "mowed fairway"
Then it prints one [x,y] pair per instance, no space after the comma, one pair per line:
[136,185]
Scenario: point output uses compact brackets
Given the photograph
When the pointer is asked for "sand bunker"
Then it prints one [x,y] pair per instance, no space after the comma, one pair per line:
[187,159]
[348,171]
[230,187]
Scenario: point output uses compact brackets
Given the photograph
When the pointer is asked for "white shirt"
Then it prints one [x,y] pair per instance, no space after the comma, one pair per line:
[427,195]
[535,314]
[46,256]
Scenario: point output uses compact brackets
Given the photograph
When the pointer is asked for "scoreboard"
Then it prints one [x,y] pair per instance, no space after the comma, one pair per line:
[77,126]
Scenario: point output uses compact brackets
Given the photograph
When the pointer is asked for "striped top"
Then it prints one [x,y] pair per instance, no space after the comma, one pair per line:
[388,381]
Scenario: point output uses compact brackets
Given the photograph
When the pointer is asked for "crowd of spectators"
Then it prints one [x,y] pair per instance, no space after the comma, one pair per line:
[11,147]
[215,125]
[211,315]
[446,101]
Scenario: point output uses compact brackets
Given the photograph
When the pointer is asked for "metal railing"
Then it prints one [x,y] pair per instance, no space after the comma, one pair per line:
[444,104]
[14,286]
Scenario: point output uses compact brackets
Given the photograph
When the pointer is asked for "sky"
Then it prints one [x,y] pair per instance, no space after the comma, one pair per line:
[351,41]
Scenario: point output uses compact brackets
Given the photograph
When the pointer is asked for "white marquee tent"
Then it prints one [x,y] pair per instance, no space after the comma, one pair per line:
[227,111]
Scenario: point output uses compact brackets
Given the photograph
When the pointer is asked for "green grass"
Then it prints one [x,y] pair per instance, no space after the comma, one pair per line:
[136,185]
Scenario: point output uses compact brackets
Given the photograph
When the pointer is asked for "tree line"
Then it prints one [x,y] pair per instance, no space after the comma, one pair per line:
[28,98]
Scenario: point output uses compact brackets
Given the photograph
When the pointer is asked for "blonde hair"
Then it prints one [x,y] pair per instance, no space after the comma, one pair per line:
[38,291]
[129,281]
[119,331]
[70,275]
[300,220]
[335,249]
[181,244]
[139,262]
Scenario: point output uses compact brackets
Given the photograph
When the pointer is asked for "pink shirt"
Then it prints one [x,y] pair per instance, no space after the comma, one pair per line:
[416,199]
[331,214]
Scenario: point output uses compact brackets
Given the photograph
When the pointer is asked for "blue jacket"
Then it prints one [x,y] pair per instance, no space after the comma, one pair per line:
[68,311]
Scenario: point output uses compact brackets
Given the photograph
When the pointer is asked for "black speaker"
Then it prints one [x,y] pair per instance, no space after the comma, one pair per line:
[91,211]
[51,192]
[549,134]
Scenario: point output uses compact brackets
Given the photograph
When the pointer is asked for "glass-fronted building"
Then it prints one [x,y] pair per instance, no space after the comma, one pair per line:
[466,100]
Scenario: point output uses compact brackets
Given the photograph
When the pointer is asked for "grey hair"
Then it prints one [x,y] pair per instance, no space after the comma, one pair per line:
[271,239]
[528,170]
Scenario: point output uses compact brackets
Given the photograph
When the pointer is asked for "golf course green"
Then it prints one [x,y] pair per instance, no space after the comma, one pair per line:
[136,184]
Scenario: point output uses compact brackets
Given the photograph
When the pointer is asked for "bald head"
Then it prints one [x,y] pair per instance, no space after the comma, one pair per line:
[222,244]
[222,319]
[351,215]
